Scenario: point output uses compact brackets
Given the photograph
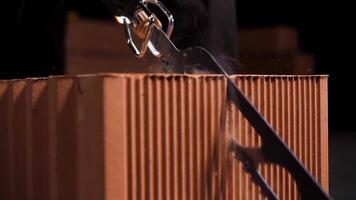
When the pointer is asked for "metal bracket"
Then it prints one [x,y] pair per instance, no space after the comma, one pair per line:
[130,24]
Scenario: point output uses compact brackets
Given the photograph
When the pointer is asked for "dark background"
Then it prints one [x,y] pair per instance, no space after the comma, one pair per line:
[34,34]
[33,38]
[325,32]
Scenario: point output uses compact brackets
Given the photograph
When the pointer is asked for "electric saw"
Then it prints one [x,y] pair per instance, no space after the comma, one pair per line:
[141,24]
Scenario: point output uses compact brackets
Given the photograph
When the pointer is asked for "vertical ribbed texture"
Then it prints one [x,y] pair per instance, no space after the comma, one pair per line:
[22,139]
[41,153]
[65,119]
[151,137]
[293,106]
[178,126]
[172,123]
[6,146]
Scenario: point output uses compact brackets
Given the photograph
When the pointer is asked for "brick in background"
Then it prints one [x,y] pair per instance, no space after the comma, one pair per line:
[278,39]
[296,63]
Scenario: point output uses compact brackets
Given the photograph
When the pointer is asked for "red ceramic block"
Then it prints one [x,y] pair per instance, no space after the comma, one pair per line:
[140,136]
[6,167]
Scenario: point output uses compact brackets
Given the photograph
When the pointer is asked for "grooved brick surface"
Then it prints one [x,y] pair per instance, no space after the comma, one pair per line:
[121,136]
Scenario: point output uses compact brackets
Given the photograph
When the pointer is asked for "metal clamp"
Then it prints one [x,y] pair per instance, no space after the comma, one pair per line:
[151,19]
[168,14]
